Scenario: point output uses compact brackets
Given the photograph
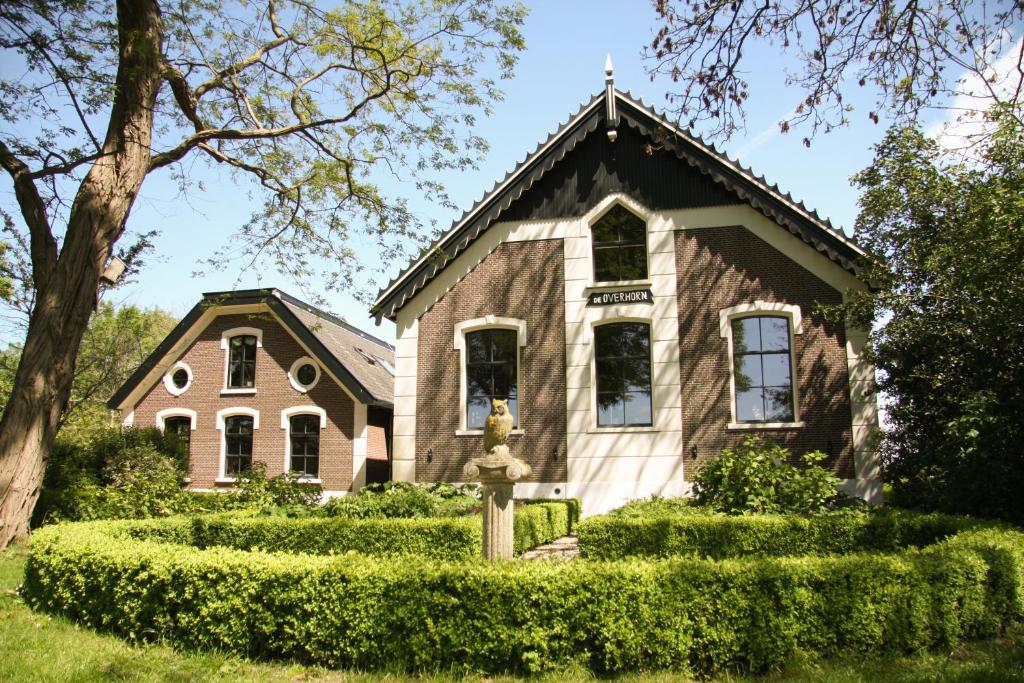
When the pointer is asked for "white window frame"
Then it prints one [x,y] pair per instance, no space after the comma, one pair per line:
[591,343]
[162,415]
[225,344]
[169,381]
[752,310]
[222,416]
[475,325]
[293,377]
[606,205]
[286,426]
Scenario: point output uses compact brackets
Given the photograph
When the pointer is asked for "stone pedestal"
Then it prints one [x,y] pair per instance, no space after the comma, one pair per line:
[498,472]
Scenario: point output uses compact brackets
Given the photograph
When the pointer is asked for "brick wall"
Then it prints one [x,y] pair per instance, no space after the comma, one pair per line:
[723,267]
[273,394]
[521,280]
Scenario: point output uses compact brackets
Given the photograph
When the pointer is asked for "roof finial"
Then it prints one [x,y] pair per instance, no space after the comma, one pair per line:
[611,115]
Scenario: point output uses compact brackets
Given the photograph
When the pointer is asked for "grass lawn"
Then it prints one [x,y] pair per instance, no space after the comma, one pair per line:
[36,647]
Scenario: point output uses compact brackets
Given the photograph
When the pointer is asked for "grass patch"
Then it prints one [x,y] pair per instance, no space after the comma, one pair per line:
[37,647]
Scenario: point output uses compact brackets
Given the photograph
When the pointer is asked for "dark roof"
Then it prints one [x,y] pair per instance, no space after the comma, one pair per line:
[591,116]
[347,352]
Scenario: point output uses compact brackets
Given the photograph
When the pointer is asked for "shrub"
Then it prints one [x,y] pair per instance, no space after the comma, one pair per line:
[404,499]
[257,490]
[538,522]
[693,616]
[719,536]
[755,477]
[656,506]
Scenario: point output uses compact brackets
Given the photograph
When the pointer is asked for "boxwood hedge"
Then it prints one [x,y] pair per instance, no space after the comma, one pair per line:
[416,613]
[718,536]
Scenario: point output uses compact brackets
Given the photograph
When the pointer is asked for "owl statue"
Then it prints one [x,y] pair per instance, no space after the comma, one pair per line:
[498,425]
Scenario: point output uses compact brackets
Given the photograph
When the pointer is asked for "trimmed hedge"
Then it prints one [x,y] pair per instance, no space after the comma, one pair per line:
[443,538]
[717,536]
[688,615]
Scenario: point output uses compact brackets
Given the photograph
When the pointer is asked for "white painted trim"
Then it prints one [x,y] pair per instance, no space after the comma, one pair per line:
[219,422]
[238,392]
[162,415]
[480,432]
[225,345]
[403,441]
[169,379]
[286,425]
[360,447]
[795,325]
[129,419]
[594,428]
[294,380]
[459,340]
[595,214]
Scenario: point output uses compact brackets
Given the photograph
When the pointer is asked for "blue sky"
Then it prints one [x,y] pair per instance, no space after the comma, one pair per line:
[563,65]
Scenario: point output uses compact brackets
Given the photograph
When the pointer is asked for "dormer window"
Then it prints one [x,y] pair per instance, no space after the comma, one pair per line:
[242,362]
[620,246]
[240,344]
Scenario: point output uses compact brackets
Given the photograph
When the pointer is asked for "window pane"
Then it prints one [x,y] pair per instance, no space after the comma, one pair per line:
[477,410]
[774,334]
[610,410]
[748,372]
[749,406]
[476,347]
[776,369]
[632,263]
[503,345]
[779,403]
[638,408]
[606,264]
[746,335]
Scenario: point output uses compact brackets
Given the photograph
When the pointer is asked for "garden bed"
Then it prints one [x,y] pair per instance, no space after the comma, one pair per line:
[421,613]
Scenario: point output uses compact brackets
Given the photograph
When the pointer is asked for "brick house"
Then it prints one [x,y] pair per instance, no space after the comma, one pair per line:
[259,376]
[642,302]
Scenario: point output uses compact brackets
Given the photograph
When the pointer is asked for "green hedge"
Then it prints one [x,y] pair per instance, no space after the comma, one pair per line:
[719,536]
[443,538]
[689,615]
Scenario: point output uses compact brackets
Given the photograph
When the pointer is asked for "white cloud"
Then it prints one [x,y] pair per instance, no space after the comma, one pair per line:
[762,138]
[965,122]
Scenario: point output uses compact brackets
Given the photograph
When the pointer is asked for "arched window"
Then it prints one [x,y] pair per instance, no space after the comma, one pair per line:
[622,353]
[762,372]
[304,445]
[492,372]
[238,432]
[620,246]
[179,426]
[242,362]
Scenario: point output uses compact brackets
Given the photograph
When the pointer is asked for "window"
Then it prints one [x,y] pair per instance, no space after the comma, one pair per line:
[620,246]
[762,375]
[304,374]
[622,354]
[178,379]
[491,373]
[238,430]
[242,362]
[304,440]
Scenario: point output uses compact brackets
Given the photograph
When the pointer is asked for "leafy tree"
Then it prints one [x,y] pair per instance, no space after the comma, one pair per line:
[947,247]
[310,107]
[913,53]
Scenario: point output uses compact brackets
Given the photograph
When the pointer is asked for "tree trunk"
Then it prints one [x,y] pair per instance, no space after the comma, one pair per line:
[67,287]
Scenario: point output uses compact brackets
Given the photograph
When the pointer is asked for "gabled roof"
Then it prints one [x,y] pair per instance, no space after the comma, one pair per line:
[740,181]
[349,354]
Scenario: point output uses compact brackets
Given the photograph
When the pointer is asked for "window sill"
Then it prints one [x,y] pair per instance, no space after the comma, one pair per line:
[763,425]
[307,480]
[618,430]
[601,286]
[480,432]
[227,392]
[228,480]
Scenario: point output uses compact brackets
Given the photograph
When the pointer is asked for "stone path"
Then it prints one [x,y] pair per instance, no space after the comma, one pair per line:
[564,548]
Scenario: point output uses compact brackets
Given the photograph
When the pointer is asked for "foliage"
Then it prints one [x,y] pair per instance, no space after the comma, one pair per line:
[257,490]
[118,473]
[115,344]
[946,246]
[755,477]
[418,614]
[656,506]
[405,499]
[717,536]
[920,56]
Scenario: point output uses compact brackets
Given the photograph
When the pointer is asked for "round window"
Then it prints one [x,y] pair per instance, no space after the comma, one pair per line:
[306,374]
[180,378]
